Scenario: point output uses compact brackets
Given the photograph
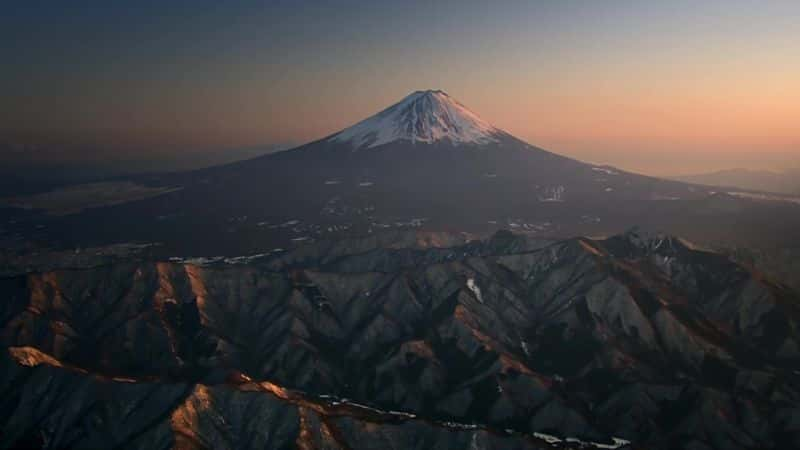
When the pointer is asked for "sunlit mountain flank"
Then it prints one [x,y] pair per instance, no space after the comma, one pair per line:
[399,225]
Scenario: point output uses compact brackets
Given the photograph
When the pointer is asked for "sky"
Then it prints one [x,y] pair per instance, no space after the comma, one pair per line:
[658,87]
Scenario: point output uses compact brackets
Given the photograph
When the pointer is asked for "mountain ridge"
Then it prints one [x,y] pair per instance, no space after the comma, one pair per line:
[669,347]
[785,182]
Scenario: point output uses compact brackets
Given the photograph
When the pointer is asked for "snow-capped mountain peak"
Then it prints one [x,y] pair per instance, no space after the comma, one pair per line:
[421,117]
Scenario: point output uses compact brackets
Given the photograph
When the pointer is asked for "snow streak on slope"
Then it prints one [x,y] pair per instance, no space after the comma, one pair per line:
[424,116]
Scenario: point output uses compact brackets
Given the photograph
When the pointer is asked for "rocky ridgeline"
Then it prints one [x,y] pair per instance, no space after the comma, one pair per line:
[407,341]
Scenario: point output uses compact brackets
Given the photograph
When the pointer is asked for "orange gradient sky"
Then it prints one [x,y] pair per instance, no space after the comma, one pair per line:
[662,89]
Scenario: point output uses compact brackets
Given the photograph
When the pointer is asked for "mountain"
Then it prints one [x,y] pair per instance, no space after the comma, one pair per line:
[785,182]
[406,340]
[364,291]
[426,162]
[424,117]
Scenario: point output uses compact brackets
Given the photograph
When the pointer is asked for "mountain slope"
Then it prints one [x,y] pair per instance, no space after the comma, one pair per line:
[639,337]
[63,407]
[425,162]
[423,116]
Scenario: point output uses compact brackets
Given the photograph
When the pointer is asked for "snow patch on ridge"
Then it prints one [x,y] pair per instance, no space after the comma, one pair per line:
[425,117]
[472,286]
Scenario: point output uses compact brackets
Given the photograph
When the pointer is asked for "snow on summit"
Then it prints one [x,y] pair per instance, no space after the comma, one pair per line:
[423,116]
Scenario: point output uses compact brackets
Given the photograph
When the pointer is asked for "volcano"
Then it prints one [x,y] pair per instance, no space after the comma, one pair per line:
[424,117]
[427,161]
[364,291]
